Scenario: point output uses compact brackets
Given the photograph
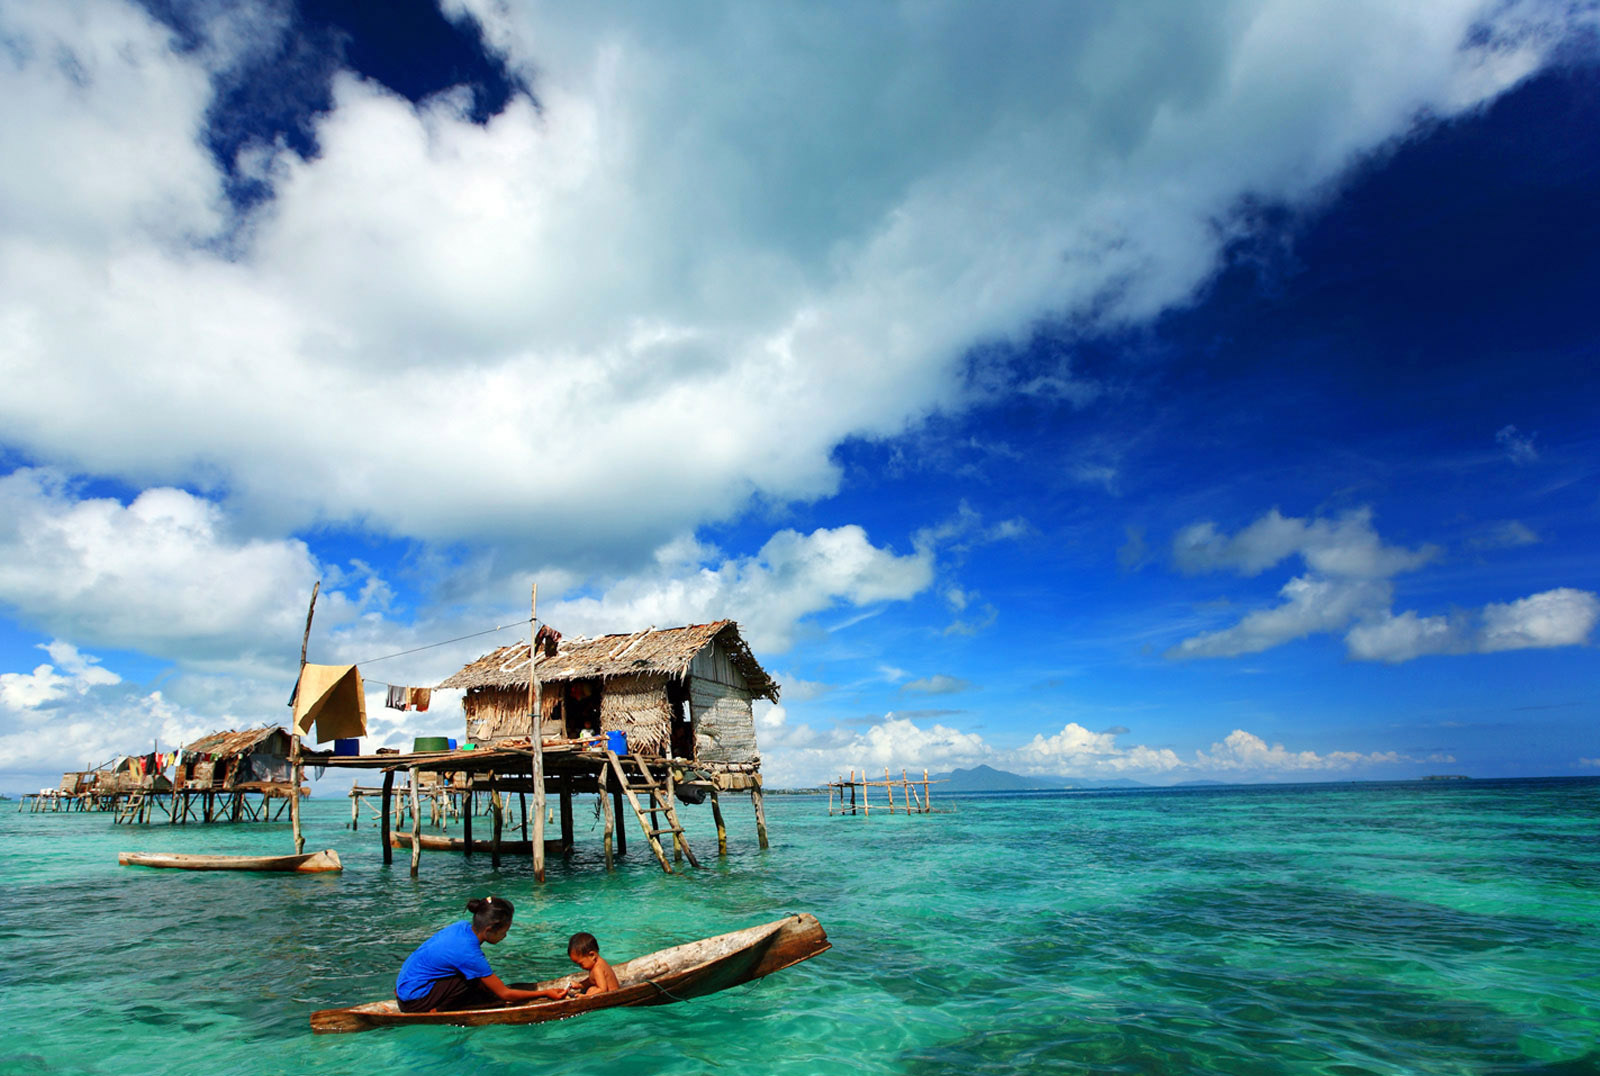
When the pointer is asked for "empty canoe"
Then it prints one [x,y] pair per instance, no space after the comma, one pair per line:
[310,862]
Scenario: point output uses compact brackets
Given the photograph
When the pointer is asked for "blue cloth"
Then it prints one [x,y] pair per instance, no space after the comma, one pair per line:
[455,950]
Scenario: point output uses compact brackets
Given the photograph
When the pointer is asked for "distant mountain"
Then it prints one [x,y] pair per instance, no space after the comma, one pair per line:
[989,779]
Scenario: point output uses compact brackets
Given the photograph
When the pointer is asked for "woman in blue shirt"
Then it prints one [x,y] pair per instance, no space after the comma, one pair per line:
[449,971]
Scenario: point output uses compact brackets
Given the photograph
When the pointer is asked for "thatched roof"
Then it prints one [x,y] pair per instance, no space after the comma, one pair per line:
[228,744]
[668,651]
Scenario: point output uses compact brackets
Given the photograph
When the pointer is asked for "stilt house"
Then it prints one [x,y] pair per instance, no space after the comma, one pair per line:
[226,761]
[682,693]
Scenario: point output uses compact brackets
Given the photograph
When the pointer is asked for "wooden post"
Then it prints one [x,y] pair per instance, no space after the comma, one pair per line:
[605,808]
[355,808]
[927,804]
[522,805]
[566,817]
[295,768]
[416,823]
[888,789]
[466,819]
[677,841]
[497,809]
[388,791]
[722,830]
[536,702]
[761,815]
[852,793]
[622,830]
[866,797]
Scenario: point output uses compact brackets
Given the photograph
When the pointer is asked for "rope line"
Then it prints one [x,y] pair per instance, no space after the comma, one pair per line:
[447,642]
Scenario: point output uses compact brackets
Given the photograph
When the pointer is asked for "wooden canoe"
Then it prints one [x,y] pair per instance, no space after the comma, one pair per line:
[676,974]
[434,842]
[311,862]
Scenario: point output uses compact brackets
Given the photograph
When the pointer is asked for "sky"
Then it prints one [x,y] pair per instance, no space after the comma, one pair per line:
[1139,391]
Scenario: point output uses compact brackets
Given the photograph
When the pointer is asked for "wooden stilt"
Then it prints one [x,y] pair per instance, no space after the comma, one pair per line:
[495,807]
[416,823]
[566,817]
[927,802]
[466,819]
[388,792]
[622,830]
[536,703]
[761,814]
[677,838]
[296,770]
[888,789]
[722,829]
[605,808]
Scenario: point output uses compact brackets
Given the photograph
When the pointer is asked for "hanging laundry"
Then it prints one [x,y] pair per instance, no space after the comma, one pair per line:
[397,698]
[548,638]
[419,697]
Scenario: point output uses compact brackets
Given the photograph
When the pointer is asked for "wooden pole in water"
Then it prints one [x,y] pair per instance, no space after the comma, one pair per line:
[466,819]
[622,830]
[722,830]
[495,806]
[761,814]
[388,791]
[605,807]
[866,796]
[295,768]
[416,823]
[566,817]
[677,839]
[536,703]
[852,793]
[927,804]
[888,789]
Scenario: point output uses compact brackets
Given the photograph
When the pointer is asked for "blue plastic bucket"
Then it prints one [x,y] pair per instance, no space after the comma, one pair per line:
[617,742]
[452,745]
[347,747]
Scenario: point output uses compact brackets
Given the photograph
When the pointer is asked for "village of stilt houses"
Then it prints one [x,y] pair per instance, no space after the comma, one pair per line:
[648,723]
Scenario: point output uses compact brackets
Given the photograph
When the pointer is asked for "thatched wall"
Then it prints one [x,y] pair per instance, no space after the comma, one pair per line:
[724,725]
[637,705]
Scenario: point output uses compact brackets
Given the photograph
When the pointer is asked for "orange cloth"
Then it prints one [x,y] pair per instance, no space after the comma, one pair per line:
[419,697]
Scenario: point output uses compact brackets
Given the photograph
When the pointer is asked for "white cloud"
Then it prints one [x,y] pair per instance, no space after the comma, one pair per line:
[1519,448]
[937,684]
[1348,590]
[1347,547]
[29,691]
[162,575]
[713,251]
[1561,617]
[1245,752]
[1077,752]
[1506,534]
[791,577]
[798,755]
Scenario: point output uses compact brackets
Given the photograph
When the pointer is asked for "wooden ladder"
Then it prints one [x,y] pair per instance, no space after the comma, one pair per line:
[660,804]
[131,808]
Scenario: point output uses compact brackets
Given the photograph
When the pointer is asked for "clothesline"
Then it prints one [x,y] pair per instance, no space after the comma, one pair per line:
[447,642]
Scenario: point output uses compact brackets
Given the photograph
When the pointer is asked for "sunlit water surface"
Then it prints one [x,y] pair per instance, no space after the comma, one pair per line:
[1400,928]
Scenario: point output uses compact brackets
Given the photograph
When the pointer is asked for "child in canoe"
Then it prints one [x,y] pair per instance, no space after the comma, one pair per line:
[449,971]
[584,951]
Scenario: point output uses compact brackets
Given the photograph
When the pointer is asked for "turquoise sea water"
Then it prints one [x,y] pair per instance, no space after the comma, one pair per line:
[1397,928]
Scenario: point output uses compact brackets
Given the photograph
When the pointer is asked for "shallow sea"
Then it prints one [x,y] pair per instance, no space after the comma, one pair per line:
[1436,928]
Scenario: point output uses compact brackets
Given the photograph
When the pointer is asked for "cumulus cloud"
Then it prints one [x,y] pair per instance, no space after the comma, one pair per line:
[79,674]
[1561,617]
[161,574]
[793,575]
[1245,752]
[1348,590]
[795,754]
[709,254]
[1077,752]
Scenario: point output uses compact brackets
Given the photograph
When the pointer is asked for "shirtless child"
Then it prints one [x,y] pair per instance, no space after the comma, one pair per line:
[584,951]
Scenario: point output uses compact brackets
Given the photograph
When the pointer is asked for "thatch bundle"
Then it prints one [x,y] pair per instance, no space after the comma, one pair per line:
[638,706]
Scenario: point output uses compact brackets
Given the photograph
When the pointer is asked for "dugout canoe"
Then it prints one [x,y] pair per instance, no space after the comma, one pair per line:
[433,842]
[309,863]
[682,972]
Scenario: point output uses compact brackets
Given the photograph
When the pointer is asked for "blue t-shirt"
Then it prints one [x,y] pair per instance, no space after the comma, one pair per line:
[455,950]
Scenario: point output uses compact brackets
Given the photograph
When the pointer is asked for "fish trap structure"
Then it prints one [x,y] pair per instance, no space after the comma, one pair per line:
[910,802]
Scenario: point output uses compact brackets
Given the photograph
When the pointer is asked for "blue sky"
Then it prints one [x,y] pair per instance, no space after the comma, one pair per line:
[1123,392]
